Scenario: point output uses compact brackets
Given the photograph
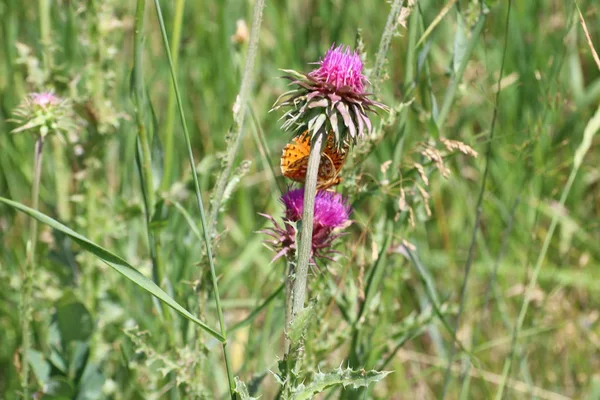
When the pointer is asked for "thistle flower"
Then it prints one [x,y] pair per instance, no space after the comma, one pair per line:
[45,112]
[340,67]
[331,213]
[330,98]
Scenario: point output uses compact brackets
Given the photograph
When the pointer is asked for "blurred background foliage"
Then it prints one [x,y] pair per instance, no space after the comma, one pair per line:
[96,335]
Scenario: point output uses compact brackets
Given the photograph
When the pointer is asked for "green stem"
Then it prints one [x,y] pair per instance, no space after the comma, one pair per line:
[198,193]
[239,114]
[386,39]
[288,282]
[29,270]
[145,156]
[169,132]
[305,245]
[90,212]
[457,77]
[62,180]
[478,208]
[138,82]
[44,10]
[97,54]
[590,131]
[257,310]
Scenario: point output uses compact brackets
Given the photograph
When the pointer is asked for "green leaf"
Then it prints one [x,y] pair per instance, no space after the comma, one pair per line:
[294,74]
[160,215]
[242,390]
[138,164]
[90,386]
[300,323]
[592,127]
[58,388]
[39,366]
[73,320]
[157,150]
[116,262]
[79,354]
[343,377]
[461,43]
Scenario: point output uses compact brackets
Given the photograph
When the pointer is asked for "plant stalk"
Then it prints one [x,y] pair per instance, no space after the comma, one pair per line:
[306,230]
[44,10]
[29,270]
[62,179]
[200,203]
[592,127]
[458,75]
[386,40]
[146,173]
[169,131]
[138,82]
[288,279]
[488,156]
[238,116]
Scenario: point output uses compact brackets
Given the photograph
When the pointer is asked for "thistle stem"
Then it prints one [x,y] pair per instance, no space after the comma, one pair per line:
[305,245]
[288,279]
[29,270]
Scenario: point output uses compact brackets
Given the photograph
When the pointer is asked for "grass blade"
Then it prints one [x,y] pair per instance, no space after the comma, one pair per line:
[591,129]
[114,261]
[257,310]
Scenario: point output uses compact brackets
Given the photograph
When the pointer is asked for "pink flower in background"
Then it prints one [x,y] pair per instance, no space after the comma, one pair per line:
[44,99]
[45,113]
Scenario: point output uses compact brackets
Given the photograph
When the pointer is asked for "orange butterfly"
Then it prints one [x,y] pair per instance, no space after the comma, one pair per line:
[294,161]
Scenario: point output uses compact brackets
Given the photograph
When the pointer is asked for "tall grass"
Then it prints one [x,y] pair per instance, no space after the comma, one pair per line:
[476,284]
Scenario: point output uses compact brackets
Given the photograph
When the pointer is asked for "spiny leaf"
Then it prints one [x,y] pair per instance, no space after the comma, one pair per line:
[242,390]
[300,323]
[114,261]
[344,377]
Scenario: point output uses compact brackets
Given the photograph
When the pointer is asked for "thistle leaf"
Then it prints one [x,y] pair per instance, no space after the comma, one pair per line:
[344,112]
[315,124]
[295,74]
[323,102]
[344,377]
[358,118]
[242,390]
[300,323]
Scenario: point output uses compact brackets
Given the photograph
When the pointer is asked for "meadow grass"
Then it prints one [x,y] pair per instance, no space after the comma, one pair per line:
[465,277]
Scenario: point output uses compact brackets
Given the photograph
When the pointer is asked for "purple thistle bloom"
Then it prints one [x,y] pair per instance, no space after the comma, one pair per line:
[341,67]
[331,212]
[331,98]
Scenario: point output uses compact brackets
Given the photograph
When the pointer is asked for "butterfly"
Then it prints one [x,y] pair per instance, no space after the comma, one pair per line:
[294,161]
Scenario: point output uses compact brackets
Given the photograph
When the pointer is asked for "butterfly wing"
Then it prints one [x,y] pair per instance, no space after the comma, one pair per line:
[294,158]
[335,154]
[294,161]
